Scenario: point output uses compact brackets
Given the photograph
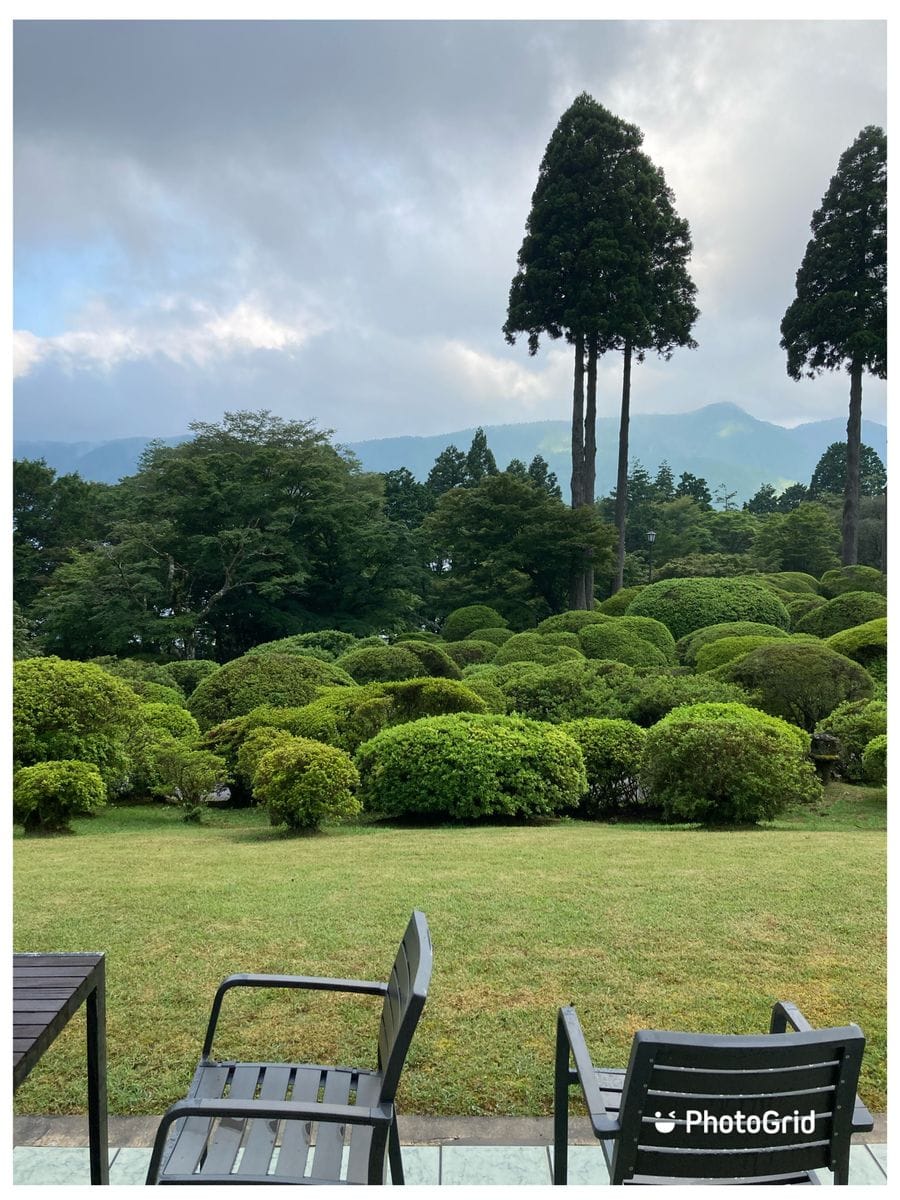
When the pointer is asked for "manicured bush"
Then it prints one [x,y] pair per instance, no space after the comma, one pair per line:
[72,710]
[136,670]
[684,605]
[158,724]
[487,690]
[852,579]
[726,764]
[797,609]
[467,767]
[188,777]
[560,637]
[651,631]
[875,761]
[531,647]
[417,635]
[374,664]
[493,634]
[843,612]
[612,756]
[157,693]
[646,699]
[415,698]
[244,683]
[727,649]
[463,621]
[689,647]
[556,693]
[170,719]
[794,581]
[612,640]
[617,604]
[715,565]
[303,783]
[865,644]
[799,681]
[470,651]
[327,644]
[188,672]
[433,659]
[571,622]
[257,743]
[854,723]
[48,794]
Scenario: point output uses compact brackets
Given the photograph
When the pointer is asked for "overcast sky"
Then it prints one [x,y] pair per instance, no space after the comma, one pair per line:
[323,218]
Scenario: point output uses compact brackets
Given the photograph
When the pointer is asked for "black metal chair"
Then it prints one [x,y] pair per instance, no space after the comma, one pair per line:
[252,1123]
[695,1108]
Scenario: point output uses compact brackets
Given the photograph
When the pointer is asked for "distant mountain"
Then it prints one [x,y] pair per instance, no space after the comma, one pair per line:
[719,442]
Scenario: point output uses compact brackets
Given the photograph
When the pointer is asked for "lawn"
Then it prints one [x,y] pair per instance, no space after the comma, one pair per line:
[636,926]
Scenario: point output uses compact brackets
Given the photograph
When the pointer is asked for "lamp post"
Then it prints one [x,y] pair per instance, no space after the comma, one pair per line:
[651,538]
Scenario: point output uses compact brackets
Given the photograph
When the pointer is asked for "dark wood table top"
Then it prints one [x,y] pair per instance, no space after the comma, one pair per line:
[47,990]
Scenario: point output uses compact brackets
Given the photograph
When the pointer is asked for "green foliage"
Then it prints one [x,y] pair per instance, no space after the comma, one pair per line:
[169,718]
[556,693]
[865,644]
[651,631]
[188,672]
[726,764]
[620,643]
[532,647]
[843,612]
[572,621]
[467,767]
[646,699]
[494,634]
[303,783]
[684,605]
[616,605]
[689,646]
[136,671]
[48,794]
[725,650]
[25,643]
[257,743]
[806,539]
[188,777]
[797,609]
[72,710]
[612,755]
[854,723]
[327,644]
[852,579]
[471,651]
[875,761]
[157,693]
[433,659]
[799,681]
[715,565]
[463,622]
[488,691]
[245,683]
[795,581]
[831,471]
[373,664]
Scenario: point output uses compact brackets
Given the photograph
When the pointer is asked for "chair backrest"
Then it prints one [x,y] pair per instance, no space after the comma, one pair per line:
[730,1107]
[405,999]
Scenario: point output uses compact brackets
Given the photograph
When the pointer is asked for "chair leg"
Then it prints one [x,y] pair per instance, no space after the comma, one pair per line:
[395,1158]
[841,1170]
[561,1107]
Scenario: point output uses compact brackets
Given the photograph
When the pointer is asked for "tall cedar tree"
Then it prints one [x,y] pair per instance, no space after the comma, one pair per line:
[839,316]
[597,265]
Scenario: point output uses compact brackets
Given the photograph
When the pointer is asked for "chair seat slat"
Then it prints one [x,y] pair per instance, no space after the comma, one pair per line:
[330,1136]
[294,1149]
[189,1141]
[368,1093]
[226,1140]
[262,1134]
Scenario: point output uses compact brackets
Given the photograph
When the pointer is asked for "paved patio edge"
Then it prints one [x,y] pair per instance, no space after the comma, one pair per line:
[414,1131]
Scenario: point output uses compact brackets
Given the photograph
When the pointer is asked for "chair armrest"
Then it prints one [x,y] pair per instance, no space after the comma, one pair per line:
[569,1032]
[363,987]
[862,1120]
[783,1014]
[266,1110]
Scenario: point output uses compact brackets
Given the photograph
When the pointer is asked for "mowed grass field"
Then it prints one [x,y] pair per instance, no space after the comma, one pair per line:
[637,926]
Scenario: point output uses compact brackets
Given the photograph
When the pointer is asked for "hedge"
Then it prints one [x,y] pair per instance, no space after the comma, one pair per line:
[795,581]
[646,699]
[617,604]
[843,612]
[688,647]
[571,622]
[798,608]
[619,643]
[556,693]
[303,783]
[865,644]
[684,605]
[463,621]
[376,664]
[433,659]
[852,579]
[727,649]
[245,683]
[875,760]
[612,757]
[470,651]
[531,647]
[494,634]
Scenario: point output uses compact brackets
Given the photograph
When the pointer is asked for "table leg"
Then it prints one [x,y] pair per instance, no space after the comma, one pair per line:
[98,1128]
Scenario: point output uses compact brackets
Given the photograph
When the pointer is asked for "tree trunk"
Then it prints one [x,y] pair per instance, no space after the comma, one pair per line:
[576,583]
[850,523]
[589,477]
[622,477]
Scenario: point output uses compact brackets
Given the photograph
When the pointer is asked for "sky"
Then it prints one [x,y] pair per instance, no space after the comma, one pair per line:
[322,218]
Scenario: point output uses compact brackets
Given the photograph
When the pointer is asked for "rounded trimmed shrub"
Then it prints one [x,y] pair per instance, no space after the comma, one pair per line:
[467,767]
[257,743]
[618,643]
[572,621]
[170,719]
[684,605]
[854,723]
[136,670]
[865,644]
[794,581]
[377,664]
[843,612]
[463,621]
[531,647]
[617,604]
[646,700]
[188,672]
[157,693]
[612,758]
[797,609]
[489,692]
[852,579]
[556,693]
[65,710]
[433,659]
[327,644]
[48,794]
[494,634]
[303,783]
[726,764]
[799,681]
[726,649]
[188,777]
[244,683]
[471,651]
[651,631]
[689,647]
[874,761]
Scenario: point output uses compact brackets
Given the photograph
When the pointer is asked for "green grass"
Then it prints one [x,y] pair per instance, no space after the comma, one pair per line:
[639,927]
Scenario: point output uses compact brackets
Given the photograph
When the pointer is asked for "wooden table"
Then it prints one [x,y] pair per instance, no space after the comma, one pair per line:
[48,989]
